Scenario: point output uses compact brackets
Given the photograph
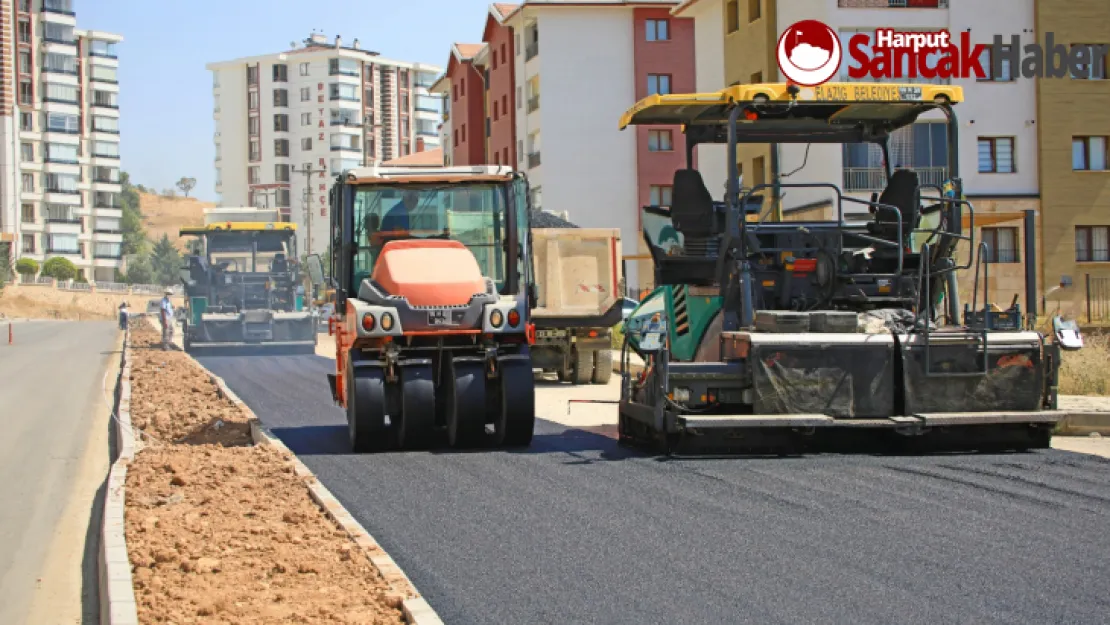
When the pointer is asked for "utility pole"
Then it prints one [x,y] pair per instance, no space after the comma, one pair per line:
[308,170]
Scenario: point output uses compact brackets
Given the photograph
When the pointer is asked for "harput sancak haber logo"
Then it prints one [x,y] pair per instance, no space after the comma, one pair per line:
[809,54]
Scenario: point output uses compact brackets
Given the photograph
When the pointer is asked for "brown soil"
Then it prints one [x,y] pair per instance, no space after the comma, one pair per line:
[222,532]
[167,216]
[45,302]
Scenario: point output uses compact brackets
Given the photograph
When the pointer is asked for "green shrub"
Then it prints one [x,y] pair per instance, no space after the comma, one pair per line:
[27,267]
[59,268]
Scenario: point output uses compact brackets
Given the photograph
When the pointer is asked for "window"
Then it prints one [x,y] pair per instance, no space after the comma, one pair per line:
[341,141]
[281,147]
[29,243]
[304,69]
[61,93]
[62,243]
[61,183]
[1005,74]
[108,149]
[25,62]
[60,213]
[105,124]
[252,174]
[344,117]
[660,195]
[252,74]
[1095,69]
[660,141]
[281,123]
[253,126]
[306,143]
[281,73]
[496,109]
[106,174]
[344,92]
[306,119]
[281,173]
[27,213]
[60,6]
[61,122]
[108,224]
[26,121]
[658,30]
[54,63]
[428,103]
[343,67]
[306,94]
[1092,244]
[505,103]
[659,83]
[753,10]
[255,150]
[61,153]
[996,155]
[103,73]
[104,48]
[282,199]
[759,171]
[27,152]
[519,97]
[26,96]
[732,16]
[281,97]
[252,100]
[106,99]
[28,183]
[1001,245]
[1088,153]
[58,33]
[24,31]
[106,250]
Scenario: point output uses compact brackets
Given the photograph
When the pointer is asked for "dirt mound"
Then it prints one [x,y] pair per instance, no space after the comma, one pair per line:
[45,302]
[174,400]
[230,535]
[162,215]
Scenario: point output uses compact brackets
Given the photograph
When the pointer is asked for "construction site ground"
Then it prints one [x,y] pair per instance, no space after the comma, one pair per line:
[46,302]
[578,529]
[220,530]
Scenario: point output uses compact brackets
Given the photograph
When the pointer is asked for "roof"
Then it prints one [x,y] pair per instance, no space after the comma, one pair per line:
[586,4]
[504,9]
[427,158]
[683,7]
[829,113]
[467,51]
[415,174]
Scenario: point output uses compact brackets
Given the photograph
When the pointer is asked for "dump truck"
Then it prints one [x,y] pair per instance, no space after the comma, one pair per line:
[434,287]
[243,287]
[771,336]
[579,301]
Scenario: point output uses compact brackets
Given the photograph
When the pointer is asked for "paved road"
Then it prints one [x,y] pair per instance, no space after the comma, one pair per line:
[577,530]
[53,460]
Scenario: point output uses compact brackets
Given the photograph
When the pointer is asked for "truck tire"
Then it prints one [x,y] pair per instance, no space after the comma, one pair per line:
[582,367]
[603,366]
[366,409]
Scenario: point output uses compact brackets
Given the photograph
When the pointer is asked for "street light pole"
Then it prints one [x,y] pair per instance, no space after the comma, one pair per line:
[308,170]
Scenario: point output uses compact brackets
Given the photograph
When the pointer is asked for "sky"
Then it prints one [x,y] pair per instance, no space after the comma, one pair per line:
[166,125]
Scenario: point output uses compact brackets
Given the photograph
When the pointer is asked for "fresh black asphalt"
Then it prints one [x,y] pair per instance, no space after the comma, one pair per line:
[579,530]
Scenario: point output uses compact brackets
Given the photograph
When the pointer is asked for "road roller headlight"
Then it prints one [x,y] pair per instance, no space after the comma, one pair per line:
[368,322]
[496,318]
[387,322]
[514,318]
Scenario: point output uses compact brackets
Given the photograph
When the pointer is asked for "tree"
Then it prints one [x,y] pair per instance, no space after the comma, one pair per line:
[59,268]
[165,260]
[186,185]
[134,238]
[139,270]
[27,267]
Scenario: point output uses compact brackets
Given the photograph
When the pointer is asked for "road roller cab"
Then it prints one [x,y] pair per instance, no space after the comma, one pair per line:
[433,273]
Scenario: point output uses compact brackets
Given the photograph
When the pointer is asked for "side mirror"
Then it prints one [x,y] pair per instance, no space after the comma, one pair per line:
[315,269]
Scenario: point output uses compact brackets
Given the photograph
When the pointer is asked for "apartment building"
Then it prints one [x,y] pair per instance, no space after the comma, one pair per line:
[1074,131]
[319,107]
[59,138]
[568,143]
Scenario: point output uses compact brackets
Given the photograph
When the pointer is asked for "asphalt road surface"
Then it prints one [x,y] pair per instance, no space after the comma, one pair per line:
[53,460]
[579,530]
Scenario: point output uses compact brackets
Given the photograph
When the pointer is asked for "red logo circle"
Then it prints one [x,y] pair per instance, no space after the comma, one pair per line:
[809,53]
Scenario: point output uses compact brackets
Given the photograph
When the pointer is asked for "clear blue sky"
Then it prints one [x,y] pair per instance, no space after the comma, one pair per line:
[165,96]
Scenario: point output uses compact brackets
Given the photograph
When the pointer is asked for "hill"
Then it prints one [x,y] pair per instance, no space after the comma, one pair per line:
[162,215]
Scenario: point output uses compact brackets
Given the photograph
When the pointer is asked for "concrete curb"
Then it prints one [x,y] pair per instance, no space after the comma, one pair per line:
[416,609]
[1084,424]
[117,592]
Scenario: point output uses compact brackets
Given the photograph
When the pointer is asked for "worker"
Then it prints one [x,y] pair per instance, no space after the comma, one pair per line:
[398,217]
[166,315]
[123,315]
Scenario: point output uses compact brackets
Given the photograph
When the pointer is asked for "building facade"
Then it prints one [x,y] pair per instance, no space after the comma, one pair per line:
[577,161]
[59,139]
[287,123]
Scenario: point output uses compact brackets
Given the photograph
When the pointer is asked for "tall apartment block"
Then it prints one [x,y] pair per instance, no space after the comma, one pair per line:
[568,141]
[59,138]
[319,107]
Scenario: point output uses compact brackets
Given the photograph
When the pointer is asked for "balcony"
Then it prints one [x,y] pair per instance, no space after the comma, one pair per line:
[63,72]
[104,53]
[533,103]
[104,105]
[62,191]
[892,4]
[61,8]
[874,178]
[531,50]
[61,161]
[60,40]
[533,160]
[108,205]
[99,155]
[63,250]
[107,256]
[345,148]
[63,220]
